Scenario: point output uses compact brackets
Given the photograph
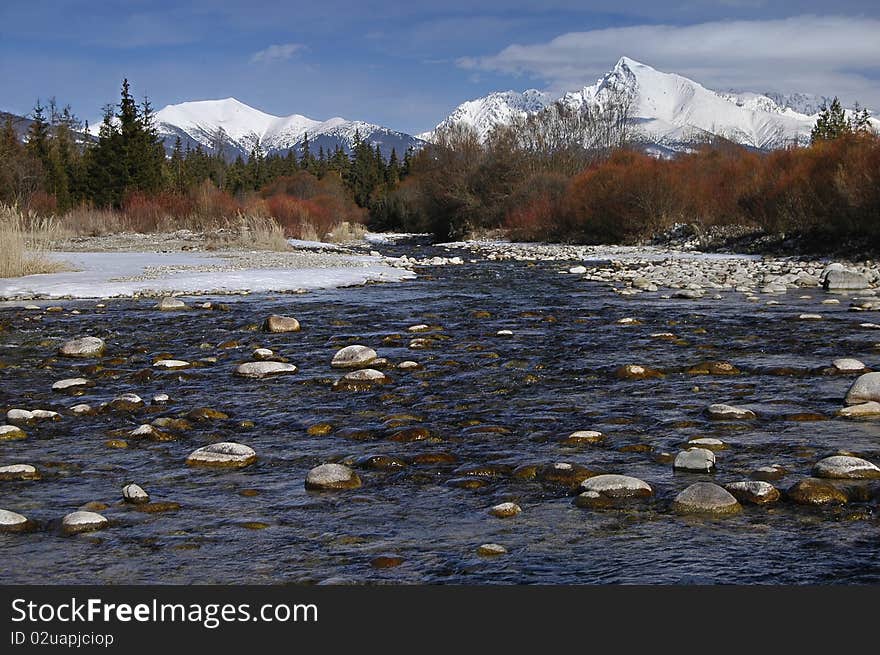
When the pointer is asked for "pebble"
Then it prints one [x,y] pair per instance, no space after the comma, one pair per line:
[584,437]
[259,370]
[695,460]
[491,550]
[577,270]
[12,521]
[709,443]
[505,510]
[280,324]
[81,409]
[637,372]
[332,476]
[223,454]
[504,333]
[83,347]
[409,365]
[355,356]
[161,399]
[263,354]
[421,327]
[844,467]
[83,521]
[810,317]
[133,493]
[758,492]
[171,363]
[706,498]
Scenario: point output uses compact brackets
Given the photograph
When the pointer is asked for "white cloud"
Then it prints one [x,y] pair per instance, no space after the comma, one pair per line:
[273,53]
[829,55]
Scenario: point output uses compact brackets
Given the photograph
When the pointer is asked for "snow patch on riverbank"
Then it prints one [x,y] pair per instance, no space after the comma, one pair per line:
[124,274]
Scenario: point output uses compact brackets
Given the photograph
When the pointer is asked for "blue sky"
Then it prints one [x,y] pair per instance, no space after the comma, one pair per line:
[406,65]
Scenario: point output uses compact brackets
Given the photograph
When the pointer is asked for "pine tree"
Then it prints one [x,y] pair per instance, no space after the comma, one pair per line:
[831,123]
[38,135]
[392,172]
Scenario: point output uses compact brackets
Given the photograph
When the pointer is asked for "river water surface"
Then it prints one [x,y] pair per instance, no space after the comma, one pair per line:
[493,403]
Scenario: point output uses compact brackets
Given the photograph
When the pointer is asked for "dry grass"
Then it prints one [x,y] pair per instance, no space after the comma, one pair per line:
[250,233]
[23,241]
[346,232]
[88,222]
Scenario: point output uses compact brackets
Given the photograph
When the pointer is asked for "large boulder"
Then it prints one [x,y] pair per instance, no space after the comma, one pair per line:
[844,280]
[813,491]
[83,521]
[225,454]
[843,467]
[706,498]
[866,388]
[696,460]
[83,347]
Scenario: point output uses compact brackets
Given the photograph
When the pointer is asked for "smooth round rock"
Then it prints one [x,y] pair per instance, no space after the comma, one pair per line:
[505,510]
[491,550]
[617,486]
[363,378]
[171,363]
[355,356]
[170,305]
[757,492]
[134,493]
[706,498]
[279,324]
[84,347]
[263,353]
[70,383]
[720,411]
[409,365]
[842,467]
[12,521]
[709,443]
[259,370]
[161,399]
[866,388]
[332,476]
[19,472]
[848,364]
[11,432]
[127,402]
[584,437]
[83,521]
[699,460]
[870,408]
[81,409]
[813,491]
[224,454]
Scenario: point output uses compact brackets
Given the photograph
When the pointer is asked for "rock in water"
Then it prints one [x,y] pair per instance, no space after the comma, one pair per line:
[83,347]
[844,280]
[170,305]
[491,550]
[70,383]
[842,467]
[10,432]
[19,472]
[812,491]
[720,411]
[259,370]
[866,388]
[758,492]
[12,522]
[505,510]
[224,454]
[848,365]
[602,491]
[871,408]
[276,323]
[355,356]
[361,379]
[133,493]
[699,460]
[332,476]
[705,498]
[83,521]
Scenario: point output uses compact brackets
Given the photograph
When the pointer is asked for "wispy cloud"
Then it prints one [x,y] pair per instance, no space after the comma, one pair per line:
[819,54]
[274,53]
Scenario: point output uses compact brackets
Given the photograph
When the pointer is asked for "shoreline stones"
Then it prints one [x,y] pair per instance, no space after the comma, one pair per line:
[843,467]
[361,380]
[722,412]
[814,491]
[83,521]
[280,324]
[84,347]
[260,370]
[757,492]
[19,472]
[332,477]
[355,356]
[695,460]
[134,493]
[168,304]
[13,521]
[706,498]
[225,454]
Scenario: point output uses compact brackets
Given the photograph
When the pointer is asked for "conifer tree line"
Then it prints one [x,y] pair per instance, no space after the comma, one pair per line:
[58,166]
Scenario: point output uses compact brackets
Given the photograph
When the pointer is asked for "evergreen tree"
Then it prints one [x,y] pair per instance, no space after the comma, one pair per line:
[175,166]
[392,172]
[38,135]
[831,123]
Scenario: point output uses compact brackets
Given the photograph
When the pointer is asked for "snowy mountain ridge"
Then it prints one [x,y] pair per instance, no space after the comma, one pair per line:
[668,110]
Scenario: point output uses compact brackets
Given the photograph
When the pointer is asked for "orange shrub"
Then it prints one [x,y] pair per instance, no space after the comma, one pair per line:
[42,204]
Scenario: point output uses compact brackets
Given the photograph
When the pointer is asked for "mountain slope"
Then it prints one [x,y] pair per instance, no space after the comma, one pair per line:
[234,128]
[668,110]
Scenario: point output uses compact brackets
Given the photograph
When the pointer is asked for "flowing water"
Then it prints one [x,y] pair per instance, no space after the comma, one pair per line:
[492,402]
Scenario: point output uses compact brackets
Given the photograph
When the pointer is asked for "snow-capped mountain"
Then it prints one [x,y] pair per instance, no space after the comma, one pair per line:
[668,110]
[236,129]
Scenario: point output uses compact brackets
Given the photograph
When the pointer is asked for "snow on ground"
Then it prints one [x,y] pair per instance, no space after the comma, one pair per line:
[386,238]
[120,274]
